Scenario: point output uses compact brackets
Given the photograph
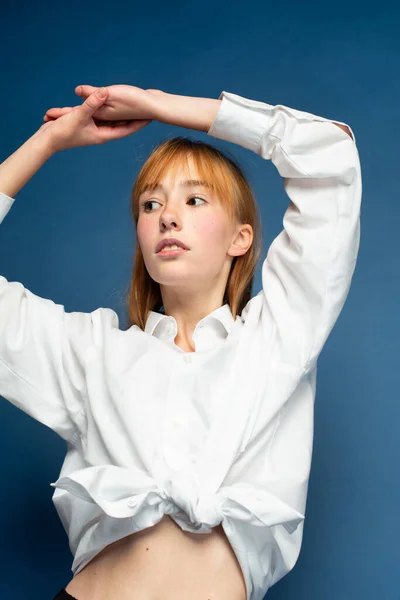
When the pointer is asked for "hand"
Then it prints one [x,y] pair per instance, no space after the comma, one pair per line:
[124,102]
[77,127]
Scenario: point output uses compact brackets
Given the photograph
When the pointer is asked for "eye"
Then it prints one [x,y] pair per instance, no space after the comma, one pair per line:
[146,202]
[144,205]
[196,197]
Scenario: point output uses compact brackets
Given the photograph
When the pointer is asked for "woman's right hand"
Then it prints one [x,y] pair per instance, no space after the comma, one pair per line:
[78,128]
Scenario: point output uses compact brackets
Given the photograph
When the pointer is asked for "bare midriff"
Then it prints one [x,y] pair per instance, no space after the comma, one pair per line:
[163,562]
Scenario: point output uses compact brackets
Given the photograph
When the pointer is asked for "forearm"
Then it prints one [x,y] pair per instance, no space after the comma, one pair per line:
[20,166]
[189,111]
[185,111]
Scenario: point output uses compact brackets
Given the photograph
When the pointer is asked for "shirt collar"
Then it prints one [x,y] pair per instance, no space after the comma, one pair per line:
[221,318]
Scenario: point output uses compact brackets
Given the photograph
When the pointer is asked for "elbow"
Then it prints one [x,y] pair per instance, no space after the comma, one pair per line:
[345,129]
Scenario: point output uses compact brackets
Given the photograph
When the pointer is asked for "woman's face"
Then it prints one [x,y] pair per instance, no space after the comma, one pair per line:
[194,216]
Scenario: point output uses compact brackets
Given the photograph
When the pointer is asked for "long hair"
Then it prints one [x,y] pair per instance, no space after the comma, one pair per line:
[228,182]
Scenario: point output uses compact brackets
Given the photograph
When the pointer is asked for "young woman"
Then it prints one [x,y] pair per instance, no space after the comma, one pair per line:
[189,435]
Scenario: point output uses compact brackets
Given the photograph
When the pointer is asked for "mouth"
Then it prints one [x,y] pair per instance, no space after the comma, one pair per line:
[171,252]
[169,242]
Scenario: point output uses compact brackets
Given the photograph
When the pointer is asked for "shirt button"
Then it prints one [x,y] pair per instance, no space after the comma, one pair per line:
[132,502]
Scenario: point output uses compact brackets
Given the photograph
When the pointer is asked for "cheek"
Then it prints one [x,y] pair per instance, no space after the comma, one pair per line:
[143,231]
[210,230]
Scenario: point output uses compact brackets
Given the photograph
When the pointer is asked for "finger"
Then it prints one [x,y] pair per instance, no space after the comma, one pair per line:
[55,113]
[60,111]
[91,104]
[84,90]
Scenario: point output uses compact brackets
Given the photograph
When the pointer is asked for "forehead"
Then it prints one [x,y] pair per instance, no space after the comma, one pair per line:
[182,175]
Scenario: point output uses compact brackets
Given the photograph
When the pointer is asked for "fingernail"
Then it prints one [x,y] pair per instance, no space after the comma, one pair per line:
[101,93]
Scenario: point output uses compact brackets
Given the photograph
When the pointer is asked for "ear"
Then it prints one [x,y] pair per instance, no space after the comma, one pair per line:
[243,240]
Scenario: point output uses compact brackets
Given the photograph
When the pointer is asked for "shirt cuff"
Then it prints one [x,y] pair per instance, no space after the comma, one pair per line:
[238,121]
[244,121]
[6,203]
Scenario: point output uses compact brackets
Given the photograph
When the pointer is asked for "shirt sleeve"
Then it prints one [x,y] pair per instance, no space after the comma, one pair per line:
[307,272]
[42,353]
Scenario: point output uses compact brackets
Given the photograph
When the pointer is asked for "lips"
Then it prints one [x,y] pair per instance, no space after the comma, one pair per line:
[171,251]
[169,242]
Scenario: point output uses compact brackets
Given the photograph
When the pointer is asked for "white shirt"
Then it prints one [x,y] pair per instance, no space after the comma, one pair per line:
[223,434]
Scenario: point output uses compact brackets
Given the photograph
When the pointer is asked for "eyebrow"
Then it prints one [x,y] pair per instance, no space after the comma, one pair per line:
[186,184]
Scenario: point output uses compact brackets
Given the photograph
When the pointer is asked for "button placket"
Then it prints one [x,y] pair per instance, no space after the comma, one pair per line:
[177,414]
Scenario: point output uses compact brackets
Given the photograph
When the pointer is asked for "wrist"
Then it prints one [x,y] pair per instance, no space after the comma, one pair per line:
[155,100]
[21,165]
[43,141]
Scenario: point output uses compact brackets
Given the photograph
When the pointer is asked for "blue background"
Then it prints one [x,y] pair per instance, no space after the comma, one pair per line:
[69,237]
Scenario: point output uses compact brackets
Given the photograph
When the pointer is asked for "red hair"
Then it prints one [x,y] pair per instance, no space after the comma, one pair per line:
[228,182]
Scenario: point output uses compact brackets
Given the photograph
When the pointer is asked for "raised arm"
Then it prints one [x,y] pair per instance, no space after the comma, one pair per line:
[42,347]
[307,273]
[22,165]
[70,129]
[192,112]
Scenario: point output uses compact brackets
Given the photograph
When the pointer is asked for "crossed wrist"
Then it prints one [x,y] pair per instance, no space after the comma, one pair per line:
[156,99]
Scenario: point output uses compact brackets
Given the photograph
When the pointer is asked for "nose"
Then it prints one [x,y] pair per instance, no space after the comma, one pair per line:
[170,216]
